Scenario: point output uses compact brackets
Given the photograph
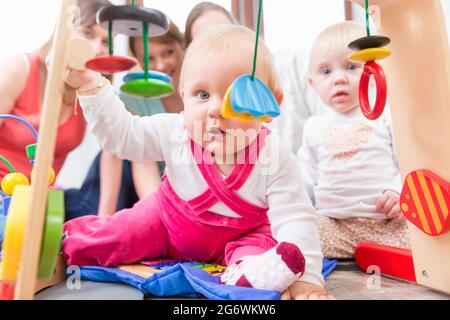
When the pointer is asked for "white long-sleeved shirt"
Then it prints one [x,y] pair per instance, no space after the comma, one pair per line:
[275,181]
[347,162]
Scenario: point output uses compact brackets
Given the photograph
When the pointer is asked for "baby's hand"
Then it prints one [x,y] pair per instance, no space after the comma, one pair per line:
[306,291]
[388,204]
[86,82]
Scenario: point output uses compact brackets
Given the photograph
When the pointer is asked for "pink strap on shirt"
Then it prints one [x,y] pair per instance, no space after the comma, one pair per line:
[224,190]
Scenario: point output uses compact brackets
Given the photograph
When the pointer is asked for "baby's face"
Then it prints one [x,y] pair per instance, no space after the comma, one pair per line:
[335,79]
[206,81]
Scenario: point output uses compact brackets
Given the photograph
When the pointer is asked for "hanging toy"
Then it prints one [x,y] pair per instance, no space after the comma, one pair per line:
[128,20]
[248,98]
[109,64]
[149,84]
[134,21]
[371,48]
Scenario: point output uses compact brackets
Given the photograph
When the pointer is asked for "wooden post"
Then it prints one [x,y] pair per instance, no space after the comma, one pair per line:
[418,77]
[27,274]
[246,13]
[348,10]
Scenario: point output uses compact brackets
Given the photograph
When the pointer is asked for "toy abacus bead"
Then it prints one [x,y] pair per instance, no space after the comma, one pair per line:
[372,68]
[369,42]
[370,54]
[129,20]
[13,179]
[148,88]
[31,151]
[110,64]
[151,74]
[51,175]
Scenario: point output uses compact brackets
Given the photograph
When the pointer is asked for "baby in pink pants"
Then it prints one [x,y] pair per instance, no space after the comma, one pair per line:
[231,193]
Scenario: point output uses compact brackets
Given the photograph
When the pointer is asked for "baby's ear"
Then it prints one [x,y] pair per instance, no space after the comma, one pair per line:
[278,94]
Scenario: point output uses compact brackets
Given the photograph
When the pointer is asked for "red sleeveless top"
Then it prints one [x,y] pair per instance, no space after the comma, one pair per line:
[15,136]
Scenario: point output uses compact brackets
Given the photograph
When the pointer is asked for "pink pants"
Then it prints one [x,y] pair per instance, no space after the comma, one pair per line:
[160,227]
[163,225]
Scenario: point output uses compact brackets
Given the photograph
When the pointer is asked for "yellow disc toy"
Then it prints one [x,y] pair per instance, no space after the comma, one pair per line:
[370,54]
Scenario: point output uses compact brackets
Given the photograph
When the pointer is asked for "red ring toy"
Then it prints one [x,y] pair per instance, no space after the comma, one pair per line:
[110,64]
[372,68]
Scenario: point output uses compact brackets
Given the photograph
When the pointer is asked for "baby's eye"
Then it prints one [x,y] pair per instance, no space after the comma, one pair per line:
[88,33]
[203,95]
[325,71]
[352,66]
[168,53]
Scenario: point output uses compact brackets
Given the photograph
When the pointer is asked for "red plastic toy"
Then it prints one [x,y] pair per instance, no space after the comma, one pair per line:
[6,291]
[393,262]
[425,201]
[110,64]
[372,68]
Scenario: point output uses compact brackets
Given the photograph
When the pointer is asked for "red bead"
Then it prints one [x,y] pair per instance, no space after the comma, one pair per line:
[6,291]
[110,64]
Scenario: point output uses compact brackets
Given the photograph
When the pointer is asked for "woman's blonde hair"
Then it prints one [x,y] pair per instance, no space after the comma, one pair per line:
[200,9]
[234,41]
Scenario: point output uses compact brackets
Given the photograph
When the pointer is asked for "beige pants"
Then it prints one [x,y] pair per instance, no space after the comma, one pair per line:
[339,237]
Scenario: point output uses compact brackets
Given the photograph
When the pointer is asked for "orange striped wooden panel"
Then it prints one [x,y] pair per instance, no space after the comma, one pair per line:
[425,201]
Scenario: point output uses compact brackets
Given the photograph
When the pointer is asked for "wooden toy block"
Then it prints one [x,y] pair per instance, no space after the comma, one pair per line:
[51,242]
[391,261]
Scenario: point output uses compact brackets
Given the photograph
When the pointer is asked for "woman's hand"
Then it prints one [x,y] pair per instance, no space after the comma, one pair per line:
[306,291]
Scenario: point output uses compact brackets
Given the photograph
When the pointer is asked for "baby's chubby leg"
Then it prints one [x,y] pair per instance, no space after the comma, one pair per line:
[275,269]
[129,236]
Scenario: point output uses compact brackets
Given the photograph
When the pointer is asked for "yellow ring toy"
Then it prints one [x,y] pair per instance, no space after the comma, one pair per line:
[14,232]
[370,54]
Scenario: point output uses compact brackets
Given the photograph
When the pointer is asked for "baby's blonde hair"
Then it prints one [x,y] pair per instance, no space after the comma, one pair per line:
[338,35]
[238,43]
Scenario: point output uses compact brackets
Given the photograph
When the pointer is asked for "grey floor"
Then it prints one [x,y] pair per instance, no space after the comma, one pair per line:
[347,282]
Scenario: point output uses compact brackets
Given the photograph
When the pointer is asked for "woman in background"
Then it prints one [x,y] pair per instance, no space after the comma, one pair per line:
[203,16]
[22,87]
